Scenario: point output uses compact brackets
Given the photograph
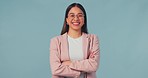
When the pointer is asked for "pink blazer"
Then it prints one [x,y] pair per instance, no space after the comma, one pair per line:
[59,53]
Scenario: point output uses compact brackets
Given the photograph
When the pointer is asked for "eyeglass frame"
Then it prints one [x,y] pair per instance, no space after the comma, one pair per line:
[76,15]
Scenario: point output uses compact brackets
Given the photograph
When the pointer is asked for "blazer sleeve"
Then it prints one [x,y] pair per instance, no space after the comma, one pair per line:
[56,66]
[90,64]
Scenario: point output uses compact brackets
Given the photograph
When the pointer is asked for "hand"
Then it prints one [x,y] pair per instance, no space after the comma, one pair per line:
[77,77]
[92,55]
[68,62]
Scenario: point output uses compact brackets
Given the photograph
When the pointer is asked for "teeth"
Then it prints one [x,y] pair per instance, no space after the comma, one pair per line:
[75,23]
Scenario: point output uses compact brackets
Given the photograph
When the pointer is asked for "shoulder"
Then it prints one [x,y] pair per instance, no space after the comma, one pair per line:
[92,36]
[55,39]
[58,38]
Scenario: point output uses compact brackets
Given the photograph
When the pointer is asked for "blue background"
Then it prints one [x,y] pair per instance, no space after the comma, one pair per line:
[26,27]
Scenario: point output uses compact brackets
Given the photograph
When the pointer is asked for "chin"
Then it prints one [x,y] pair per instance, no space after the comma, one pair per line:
[77,28]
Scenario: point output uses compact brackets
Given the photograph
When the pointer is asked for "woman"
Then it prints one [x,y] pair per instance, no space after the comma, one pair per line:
[75,53]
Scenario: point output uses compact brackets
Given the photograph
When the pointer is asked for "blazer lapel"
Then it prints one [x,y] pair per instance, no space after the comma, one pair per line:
[65,47]
[85,40]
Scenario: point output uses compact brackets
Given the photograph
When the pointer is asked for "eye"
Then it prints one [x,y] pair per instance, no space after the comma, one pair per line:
[80,15]
[72,15]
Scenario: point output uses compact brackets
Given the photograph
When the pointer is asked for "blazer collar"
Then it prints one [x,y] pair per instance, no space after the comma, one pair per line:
[85,40]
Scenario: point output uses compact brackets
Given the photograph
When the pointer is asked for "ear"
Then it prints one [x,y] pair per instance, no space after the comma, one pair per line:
[67,21]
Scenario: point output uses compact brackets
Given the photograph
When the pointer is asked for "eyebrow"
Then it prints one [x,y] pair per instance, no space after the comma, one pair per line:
[73,13]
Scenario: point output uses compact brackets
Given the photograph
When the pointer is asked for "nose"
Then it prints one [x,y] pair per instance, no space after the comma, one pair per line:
[76,18]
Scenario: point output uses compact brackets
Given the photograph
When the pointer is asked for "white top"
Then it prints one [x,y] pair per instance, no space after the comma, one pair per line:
[75,49]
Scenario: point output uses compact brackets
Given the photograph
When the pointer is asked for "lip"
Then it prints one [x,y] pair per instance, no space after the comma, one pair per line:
[76,23]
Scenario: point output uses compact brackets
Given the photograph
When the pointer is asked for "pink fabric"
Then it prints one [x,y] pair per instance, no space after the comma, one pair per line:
[59,53]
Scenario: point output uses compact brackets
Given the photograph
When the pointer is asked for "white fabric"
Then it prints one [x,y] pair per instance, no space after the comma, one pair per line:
[75,50]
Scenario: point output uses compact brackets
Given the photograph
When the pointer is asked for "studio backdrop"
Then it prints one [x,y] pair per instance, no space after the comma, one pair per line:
[26,27]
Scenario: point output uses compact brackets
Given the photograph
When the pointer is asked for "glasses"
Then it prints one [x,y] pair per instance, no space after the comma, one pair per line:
[72,16]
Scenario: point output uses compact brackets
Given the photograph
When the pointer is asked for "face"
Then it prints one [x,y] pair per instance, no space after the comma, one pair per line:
[75,19]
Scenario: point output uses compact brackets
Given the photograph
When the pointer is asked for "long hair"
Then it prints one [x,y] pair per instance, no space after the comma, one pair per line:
[66,27]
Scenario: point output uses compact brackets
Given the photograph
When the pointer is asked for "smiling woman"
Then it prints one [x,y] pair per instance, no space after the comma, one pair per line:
[75,53]
[75,19]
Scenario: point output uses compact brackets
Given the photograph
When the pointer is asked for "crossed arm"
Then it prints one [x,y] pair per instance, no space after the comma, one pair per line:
[73,68]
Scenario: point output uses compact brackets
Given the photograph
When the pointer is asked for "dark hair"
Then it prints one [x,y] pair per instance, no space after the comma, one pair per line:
[66,27]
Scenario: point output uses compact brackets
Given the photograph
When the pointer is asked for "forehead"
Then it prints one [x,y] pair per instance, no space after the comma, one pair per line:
[75,10]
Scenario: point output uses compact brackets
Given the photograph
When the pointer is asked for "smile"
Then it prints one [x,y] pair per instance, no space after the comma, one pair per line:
[75,23]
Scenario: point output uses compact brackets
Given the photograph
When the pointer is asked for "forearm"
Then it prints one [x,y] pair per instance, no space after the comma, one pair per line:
[87,65]
[65,71]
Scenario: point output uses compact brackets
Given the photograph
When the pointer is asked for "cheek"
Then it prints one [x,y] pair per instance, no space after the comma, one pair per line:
[82,22]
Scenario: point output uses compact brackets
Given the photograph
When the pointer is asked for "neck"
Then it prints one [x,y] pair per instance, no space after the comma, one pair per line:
[74,34]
